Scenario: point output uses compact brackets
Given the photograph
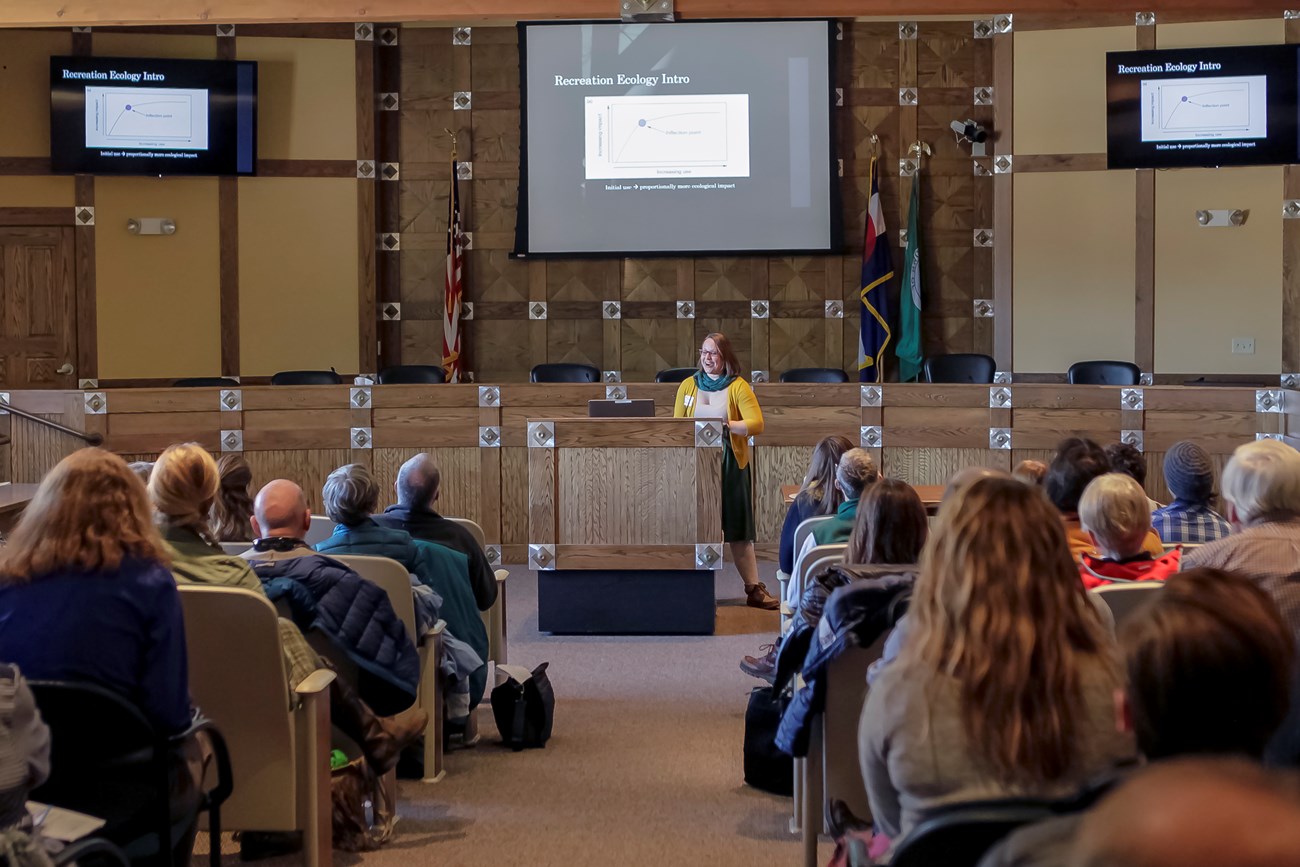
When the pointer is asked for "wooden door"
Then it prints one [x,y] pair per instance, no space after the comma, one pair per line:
[38,335]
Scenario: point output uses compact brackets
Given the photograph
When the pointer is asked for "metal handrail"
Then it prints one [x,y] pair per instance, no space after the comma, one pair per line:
[93,439]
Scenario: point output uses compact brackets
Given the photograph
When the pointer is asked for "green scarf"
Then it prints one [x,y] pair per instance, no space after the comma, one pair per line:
[704,382]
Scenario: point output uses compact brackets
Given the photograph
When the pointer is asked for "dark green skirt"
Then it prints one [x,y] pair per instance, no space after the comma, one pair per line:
[737,498]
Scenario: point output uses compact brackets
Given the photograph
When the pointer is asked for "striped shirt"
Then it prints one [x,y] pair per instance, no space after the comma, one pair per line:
[1181,522]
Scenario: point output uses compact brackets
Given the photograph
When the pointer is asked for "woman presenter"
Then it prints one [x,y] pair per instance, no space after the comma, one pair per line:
[717,391]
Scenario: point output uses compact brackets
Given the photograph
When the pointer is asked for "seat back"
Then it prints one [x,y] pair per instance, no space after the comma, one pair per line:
[564,373]
[391,577]
[961,835]
[412,374]
[814,374]
[322,527]
[474,530]
[238,679]
[960,367]
[1125,599]
[206,382]
[105,759]
[846,692]
[306,377]
[235,548]
[675,374]
[804,530]
[1103,373]
[818,558]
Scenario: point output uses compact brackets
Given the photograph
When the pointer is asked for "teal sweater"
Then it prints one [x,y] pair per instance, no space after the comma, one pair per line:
[837,529]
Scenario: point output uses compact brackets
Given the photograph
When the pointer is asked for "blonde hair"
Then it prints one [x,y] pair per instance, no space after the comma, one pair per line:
[232,510]
[88,515]
[1116,509]
[1030,472]
[183,485]
[999,607]
[1262,477]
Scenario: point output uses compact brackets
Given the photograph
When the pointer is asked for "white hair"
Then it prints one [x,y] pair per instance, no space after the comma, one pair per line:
[855,472]
[1262,477]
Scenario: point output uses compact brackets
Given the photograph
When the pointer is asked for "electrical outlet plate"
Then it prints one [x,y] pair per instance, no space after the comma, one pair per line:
[1243,346]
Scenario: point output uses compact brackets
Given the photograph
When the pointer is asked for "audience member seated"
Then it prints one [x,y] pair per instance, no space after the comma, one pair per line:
[351,496]
[1115,513]
[889,532]
[818,495]
[1261,489]
[1125,458]
[182,486]
[1189,519]
[853,474]
[142,469]
[1004,685]
[24,747]
[1077,462]
[418,486]
[328,596]
[1195,812]
[1030,472]
[85,596]
[1209,665]
[232,511]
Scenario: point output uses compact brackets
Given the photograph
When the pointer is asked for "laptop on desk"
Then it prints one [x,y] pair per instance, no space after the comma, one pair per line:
[643,408]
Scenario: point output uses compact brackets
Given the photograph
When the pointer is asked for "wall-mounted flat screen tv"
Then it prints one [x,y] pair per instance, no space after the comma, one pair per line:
[140,116]
[1187,107]
[681,138]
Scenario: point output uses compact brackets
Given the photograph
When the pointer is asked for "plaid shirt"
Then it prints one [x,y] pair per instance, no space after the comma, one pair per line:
[1182,522]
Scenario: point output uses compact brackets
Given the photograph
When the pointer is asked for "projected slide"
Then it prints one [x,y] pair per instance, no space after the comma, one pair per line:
[1187,109]
[126,117]
[667,136]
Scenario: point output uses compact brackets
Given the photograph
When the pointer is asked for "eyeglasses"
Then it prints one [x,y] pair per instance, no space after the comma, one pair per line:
[705,353]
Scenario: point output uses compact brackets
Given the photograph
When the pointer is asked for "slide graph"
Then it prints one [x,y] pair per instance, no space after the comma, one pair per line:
[667,136]
[1191,109]
[146,117]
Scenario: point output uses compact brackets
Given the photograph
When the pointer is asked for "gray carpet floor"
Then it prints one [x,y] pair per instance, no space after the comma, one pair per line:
[644,766]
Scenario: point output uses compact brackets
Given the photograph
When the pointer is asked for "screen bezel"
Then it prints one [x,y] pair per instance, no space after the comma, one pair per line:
[837,244]
[59,168]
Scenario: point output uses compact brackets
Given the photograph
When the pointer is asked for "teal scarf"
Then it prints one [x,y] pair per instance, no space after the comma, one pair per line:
[704,382]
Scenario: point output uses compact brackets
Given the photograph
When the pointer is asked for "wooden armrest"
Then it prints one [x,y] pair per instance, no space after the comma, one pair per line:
[501,576]
[432,632]
[316,682]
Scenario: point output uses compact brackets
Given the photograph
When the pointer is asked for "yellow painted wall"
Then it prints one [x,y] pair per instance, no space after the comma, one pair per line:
[158,300]
[298,264]
[36,192]
[1060,88]
[152,45]
[1199,34]
[1213,285]
[1074,264]
[307,97]
[25,90]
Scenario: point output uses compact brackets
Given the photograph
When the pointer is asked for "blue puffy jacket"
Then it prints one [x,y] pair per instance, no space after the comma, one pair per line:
[326,595]
[435,566]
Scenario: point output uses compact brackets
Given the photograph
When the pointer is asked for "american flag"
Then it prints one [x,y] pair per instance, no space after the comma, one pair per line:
[452,361]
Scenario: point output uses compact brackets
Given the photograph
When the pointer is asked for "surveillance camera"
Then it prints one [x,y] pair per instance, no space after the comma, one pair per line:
[970,131]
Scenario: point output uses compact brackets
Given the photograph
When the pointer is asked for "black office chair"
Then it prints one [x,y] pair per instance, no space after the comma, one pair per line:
[206,382]
[815,374]
[306,377]
[675,374]
[959,367]
[106,760]
[412,374]
[961,835]
[565,373]
[1104,373]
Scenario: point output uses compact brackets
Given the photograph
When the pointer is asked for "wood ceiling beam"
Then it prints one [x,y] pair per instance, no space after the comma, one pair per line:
[88,13]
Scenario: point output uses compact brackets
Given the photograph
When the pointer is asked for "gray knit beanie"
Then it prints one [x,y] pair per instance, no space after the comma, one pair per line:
[1189,472]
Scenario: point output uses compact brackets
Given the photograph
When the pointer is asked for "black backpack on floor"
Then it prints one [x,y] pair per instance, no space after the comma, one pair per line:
[524,706]
[766,767]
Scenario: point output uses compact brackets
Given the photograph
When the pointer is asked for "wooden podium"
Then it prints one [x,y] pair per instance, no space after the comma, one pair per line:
[625,524]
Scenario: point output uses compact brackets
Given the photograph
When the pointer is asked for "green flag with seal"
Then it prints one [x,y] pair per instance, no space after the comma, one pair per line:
[908,350]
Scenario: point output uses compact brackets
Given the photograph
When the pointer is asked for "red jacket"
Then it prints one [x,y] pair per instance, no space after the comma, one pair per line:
[1097,572]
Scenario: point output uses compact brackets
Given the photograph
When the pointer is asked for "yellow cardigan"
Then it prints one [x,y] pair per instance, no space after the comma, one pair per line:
[741,406]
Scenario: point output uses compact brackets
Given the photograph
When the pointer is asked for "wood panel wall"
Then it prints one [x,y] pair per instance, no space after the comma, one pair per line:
[781,313]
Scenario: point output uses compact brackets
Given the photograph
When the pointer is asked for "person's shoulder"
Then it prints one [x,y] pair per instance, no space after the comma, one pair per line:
[441,552]
[147,573]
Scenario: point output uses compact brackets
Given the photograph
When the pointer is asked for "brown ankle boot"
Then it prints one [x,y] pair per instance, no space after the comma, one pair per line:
[381,739]
[756,596]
